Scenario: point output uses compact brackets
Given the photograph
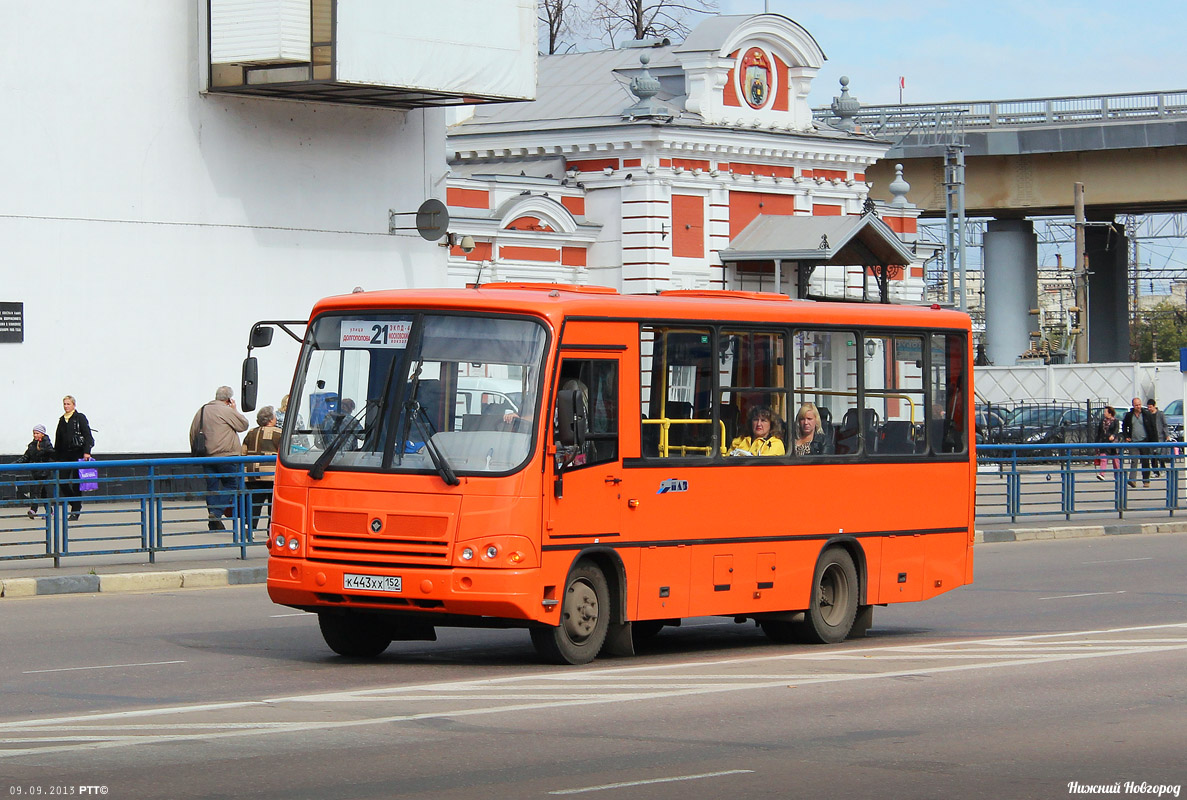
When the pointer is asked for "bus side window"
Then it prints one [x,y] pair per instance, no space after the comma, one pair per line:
[947,425]
[824,371]
[676,383]
[597,379]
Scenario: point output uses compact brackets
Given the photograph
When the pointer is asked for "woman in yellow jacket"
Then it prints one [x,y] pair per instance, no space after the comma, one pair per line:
[767,438]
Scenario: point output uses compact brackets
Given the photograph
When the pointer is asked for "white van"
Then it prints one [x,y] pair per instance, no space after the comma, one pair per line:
[476,396]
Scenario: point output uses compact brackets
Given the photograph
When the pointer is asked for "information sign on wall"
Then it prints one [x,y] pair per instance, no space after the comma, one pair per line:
[12,323]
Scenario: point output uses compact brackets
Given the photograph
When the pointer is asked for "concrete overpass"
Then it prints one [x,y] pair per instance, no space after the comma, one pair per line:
[1022,159]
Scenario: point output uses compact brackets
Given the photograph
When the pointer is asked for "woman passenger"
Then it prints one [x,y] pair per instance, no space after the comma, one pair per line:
[766,438]
[809,434]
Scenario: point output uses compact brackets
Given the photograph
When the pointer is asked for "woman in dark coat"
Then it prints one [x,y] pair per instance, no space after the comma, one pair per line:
[40,450]
[73,442]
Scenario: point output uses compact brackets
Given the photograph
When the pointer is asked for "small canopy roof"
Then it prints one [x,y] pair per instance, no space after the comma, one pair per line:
[812,241]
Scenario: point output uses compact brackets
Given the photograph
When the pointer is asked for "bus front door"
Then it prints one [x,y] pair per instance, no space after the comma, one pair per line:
[585,504]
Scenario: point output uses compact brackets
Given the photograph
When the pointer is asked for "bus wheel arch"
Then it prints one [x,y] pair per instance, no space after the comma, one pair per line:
[586,610]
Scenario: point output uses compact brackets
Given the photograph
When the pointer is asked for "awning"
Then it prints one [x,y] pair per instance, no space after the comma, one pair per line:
[850,241]
[809,242]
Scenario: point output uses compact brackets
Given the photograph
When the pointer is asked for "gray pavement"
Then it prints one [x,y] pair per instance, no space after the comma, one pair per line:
[190,569]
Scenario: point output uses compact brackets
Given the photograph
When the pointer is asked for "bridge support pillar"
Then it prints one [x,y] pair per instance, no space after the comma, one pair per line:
[1011,288]
[1108,292]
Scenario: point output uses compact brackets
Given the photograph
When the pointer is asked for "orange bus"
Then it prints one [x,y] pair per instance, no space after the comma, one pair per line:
[690,453]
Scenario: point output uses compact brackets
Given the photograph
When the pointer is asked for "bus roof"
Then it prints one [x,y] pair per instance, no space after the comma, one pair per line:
[555,302]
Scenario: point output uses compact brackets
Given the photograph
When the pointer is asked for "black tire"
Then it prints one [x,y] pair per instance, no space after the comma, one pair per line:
[585,619]
[829,617]
[353,635]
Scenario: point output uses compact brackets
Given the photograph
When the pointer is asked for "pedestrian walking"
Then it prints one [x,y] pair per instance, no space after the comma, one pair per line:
[261,441]
[1161,433]
[74,443]
[1138,427]
[220,424]
[40,450]
[1108,431]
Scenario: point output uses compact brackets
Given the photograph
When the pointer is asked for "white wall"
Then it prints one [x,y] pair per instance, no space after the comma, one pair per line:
[146,226]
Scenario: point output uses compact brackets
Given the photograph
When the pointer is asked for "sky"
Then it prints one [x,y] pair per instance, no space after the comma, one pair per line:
[988,50]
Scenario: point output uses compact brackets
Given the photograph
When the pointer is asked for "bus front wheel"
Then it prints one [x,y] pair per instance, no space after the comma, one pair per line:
[829,618]
[584,620]
[353,635]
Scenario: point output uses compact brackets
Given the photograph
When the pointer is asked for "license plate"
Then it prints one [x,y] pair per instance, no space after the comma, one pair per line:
[373,583]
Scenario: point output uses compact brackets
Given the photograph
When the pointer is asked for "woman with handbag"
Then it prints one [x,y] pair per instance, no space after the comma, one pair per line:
[74,442]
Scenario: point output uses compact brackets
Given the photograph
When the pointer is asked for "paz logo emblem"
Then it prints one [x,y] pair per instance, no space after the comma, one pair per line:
[376,525]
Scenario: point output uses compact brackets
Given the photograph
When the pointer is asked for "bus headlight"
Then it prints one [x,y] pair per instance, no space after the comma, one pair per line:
[293,544]
[280,541]
[507,551]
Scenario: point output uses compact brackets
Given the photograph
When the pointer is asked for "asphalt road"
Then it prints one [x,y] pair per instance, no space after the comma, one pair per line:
[1064,664]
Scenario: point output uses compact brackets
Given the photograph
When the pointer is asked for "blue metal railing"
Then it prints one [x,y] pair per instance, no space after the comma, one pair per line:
[142,506]
[1069,480]
[150,506]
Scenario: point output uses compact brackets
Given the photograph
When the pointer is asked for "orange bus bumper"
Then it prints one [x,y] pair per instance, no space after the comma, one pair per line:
[472,592]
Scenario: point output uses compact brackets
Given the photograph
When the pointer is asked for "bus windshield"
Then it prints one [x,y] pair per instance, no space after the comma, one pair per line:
[393,392]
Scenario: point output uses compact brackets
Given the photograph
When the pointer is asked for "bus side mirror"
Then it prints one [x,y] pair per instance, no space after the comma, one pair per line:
[572,423]
[261,336]
[250,376]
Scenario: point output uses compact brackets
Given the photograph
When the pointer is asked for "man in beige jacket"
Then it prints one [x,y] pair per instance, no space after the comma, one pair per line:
[221,424]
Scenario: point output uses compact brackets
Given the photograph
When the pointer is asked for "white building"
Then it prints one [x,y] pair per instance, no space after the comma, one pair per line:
[694,165]
[148,220]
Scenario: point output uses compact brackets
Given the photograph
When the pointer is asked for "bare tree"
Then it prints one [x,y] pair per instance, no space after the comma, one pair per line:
[641,19]
[556,16]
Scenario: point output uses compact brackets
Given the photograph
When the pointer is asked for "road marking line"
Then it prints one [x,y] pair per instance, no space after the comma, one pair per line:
[625,784]
[403,692]
[1085,594]
[104,666]
[282,616]
[1119,560]
[303,727]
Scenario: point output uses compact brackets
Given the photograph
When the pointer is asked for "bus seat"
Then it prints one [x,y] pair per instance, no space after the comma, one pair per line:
[896,436]
[849,434]
[679,435]
[826,424]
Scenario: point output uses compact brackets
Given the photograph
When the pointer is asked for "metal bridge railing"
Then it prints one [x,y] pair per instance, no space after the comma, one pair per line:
[1016,481]
[922,118]
[141,506]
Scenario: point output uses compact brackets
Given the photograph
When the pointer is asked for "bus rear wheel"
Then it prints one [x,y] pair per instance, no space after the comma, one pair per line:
[585,620]
[353,635]
[829,618]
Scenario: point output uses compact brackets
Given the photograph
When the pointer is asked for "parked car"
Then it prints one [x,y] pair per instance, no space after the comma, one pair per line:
[989,425]
[1046,425]
[477,396]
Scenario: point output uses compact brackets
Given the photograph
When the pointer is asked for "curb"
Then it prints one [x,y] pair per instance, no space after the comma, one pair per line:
[133,581]
[241,576]
[1075,532]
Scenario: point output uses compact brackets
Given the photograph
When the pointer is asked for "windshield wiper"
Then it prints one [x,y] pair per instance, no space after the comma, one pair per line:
[418,415]
[345,433]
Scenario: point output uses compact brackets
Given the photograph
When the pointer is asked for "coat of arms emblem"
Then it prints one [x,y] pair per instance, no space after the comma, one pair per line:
[756,77]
